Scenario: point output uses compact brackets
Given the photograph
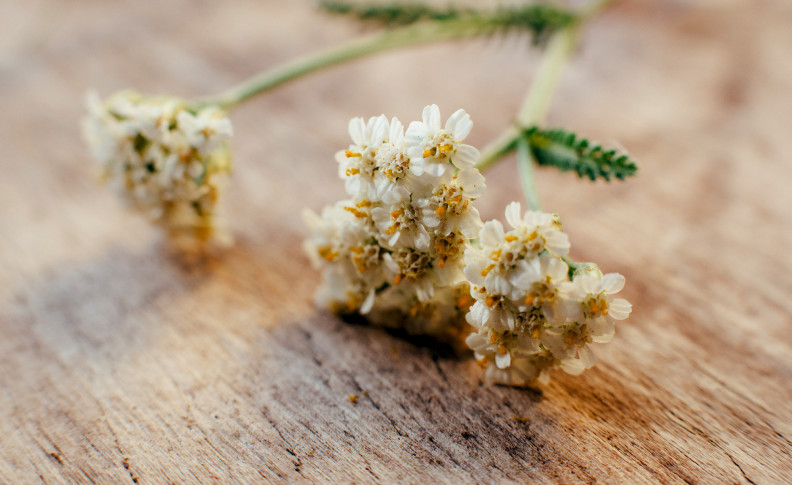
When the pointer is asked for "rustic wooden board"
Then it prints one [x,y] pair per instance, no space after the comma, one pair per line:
[122,362]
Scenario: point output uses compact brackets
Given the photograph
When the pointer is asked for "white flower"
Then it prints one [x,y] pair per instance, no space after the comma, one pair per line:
[413,226]
[540,279]
[537,231]
[163,159]
[529,317]
[588,298]
[357,164]
[495,312]
[401,226]
[342,292]
[353,264]
[205,130]
[521,371]
[392,179]
[449,208]
[433,149]
[502,346]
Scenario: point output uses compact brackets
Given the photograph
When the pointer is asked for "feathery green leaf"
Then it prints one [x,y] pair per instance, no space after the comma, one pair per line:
[388,14]
[568,152]
[539,19]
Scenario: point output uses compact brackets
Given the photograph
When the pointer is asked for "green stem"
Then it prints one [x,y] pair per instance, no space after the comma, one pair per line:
[525,163]
[391,39]
[537,99]
[537,102]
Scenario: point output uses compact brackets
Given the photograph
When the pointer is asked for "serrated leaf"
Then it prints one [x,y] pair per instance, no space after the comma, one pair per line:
[568,152]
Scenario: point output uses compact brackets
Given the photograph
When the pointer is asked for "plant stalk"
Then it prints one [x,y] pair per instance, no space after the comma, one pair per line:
[537,102]
[361,47]
[537,99]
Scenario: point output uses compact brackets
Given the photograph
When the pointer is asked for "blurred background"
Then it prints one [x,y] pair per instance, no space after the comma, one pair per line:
[92,302]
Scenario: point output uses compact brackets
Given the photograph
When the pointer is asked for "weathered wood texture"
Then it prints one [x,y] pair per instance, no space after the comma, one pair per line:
[120,362]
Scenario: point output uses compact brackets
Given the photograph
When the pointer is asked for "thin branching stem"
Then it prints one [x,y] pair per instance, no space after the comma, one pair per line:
[537,99]
[361,47]
[409,35]
[537,102]
[525,163]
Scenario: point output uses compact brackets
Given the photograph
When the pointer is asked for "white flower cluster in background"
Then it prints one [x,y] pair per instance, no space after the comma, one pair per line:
[163,159]
[395,250]
[531,312]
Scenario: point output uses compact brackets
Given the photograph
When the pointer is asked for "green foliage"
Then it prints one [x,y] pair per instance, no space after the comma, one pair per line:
[568,152]
[389,14]
[539,19]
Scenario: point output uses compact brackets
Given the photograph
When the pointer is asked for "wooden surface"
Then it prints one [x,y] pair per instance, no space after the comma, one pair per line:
[122,362]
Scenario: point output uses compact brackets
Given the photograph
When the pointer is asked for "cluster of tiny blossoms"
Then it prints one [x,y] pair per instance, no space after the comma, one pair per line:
[395,250]
[163,158]
[408,249]
[532,311]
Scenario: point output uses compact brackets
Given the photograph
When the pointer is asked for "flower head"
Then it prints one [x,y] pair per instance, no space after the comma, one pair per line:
[358,163]
[163,158]
[414,227]
[531,313]
[436,150]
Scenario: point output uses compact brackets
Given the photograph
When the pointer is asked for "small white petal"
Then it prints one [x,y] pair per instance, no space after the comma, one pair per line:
[602,329]
[478,315]
[514,214]
[422,238]
[465,157]
[619,308]
[557,242]
[396,132]
[612,283]
[368,303]
[459,125]
[436,169]
[476,341]
[503,360]
[491,235]
[357,130]
[431,118]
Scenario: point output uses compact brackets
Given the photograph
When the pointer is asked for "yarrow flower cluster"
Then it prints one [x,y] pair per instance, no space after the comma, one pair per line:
[162,157]
[533,312]
[394,251]
[409,249]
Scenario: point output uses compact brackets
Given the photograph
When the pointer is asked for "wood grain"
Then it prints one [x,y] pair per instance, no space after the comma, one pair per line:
[122,362]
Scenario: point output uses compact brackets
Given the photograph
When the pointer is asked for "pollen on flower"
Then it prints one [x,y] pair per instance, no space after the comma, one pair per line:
[351,154]
[327,253]
[357,212]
